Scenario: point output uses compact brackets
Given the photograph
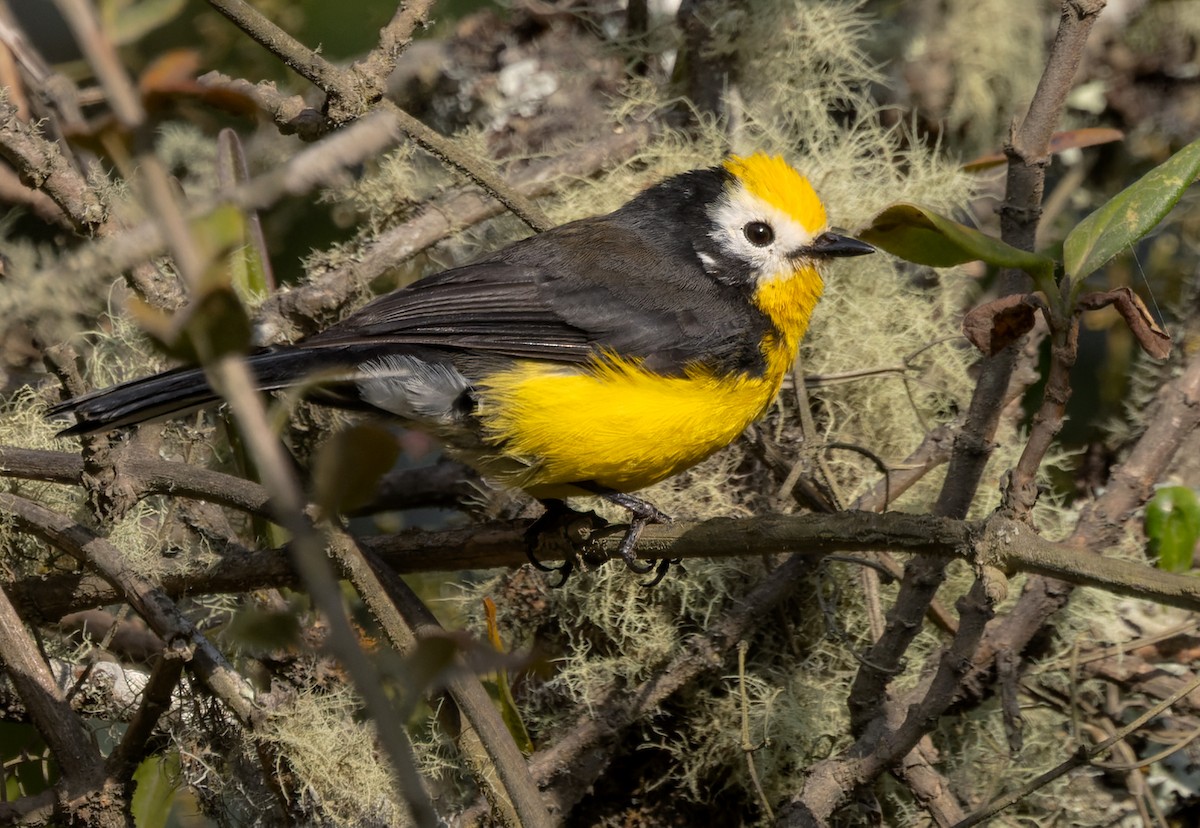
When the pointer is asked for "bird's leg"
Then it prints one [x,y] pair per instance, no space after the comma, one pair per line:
[641,514]
[571,528]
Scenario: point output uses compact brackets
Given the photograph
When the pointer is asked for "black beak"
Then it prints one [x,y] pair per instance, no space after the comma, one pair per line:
[832,245]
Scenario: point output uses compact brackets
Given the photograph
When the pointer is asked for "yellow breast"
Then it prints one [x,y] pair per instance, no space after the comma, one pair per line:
[615,424]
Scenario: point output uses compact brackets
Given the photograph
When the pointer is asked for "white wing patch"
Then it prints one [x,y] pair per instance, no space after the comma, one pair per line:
[413,389]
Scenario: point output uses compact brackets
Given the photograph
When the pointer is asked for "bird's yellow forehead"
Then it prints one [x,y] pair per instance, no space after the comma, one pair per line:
[777,183]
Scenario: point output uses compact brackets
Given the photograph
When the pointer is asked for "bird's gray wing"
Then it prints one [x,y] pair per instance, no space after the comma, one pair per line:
[582,290]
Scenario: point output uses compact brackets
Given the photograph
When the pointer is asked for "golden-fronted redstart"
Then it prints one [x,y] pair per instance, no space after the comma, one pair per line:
[599,357]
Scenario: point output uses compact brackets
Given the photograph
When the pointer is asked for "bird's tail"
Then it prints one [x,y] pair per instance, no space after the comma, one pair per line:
[186,389]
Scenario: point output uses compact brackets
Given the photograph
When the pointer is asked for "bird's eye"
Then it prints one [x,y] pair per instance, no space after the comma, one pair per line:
[759,233]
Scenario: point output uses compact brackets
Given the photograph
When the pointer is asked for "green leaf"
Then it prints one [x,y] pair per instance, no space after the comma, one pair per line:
[130,22]
[1173,527]
[249,264]
[154,796]
[348,466]
[920,235]
[1131,214]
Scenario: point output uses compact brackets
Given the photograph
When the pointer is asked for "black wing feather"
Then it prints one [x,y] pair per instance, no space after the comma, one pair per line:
[629,283]
[590,287]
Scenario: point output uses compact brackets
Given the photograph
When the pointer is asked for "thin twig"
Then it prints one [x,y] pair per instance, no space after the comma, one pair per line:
[232,378]
[918,770]
[350,99]
[295,55]
[291,113]
[1083,757]
[14,192]
[748,747]
[386,595]
[1021,493]
[394,38]
[924,575]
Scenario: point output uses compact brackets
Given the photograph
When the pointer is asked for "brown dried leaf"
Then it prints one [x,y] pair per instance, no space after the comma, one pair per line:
[1059,142]
[172,75]
[1154,340]
[995,325]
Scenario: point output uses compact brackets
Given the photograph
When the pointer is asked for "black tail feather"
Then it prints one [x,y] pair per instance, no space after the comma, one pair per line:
[181,390]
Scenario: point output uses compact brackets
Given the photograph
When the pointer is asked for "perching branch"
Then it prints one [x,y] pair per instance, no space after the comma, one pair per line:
[996,542]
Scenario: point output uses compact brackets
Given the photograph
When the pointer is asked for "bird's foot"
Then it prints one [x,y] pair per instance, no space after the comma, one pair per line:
[564,530]
[642,514]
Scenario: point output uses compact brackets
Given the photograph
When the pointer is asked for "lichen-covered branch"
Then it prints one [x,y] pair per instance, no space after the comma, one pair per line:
[349,98]
[41,164]
[150,602]
[924,575]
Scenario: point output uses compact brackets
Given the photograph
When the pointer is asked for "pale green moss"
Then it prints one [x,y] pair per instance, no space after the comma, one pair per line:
[338,766]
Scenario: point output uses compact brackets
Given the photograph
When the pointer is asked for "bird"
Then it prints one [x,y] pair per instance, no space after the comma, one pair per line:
[598,357]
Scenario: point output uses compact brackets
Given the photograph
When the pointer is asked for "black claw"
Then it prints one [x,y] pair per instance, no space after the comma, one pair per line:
[642,514]
[661,571]
[564,569]
[553,520]
[560,521]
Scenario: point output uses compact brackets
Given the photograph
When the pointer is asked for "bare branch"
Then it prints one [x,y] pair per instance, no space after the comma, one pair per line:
[147,475]
[1102,521]
[349,99]
[156,700]
[924,575]
[78,759]
[394,38]
[291,113]
[42,166]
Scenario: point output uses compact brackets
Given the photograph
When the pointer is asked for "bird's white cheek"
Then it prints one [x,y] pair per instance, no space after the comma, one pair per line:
[774,267]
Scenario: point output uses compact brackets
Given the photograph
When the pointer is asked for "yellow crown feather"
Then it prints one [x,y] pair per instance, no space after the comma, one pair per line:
[776,182]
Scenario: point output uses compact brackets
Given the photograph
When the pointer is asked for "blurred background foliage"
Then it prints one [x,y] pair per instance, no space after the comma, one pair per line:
[911,90]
